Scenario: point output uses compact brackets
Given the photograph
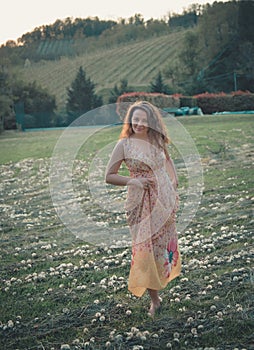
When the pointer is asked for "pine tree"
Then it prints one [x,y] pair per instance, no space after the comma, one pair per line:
[81,96]
[117,91]
[158,85]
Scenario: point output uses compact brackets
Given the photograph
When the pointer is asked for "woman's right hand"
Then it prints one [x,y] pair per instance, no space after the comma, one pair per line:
[141,182]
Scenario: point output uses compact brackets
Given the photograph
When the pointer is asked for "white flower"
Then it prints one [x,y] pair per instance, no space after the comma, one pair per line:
[190,320]
[184,279]
[220,314]
[129,335]
[65,347]
[118,338]
[10,324]
[102,318]
[81,287]
[128,312]
[134,330]
[213,308]
[194,331]
[200,327]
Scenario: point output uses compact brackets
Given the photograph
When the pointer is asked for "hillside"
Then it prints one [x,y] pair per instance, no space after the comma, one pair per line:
[138,62]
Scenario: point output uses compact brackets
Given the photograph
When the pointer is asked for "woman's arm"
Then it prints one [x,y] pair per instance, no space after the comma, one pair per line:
[112,177]
[171,171]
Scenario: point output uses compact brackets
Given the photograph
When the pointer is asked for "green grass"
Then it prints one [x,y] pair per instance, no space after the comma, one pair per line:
[53,285]
[16,145]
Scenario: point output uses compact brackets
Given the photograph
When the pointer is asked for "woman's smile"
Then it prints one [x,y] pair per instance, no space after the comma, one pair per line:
[138,128]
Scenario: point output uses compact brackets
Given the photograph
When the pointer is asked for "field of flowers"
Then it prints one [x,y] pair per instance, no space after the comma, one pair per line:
[60,292]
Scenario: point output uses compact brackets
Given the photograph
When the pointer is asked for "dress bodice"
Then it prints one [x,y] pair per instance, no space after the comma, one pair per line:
[141,163]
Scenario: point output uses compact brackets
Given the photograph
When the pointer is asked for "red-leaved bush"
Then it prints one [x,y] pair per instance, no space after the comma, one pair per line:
[208,102]
[220,102]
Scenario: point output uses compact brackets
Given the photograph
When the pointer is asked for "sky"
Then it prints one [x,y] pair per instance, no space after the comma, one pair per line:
[18,17]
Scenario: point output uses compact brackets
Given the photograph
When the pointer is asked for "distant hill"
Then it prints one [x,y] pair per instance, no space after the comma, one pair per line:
[137,62]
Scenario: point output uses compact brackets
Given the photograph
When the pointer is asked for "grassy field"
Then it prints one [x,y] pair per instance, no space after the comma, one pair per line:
[60,292]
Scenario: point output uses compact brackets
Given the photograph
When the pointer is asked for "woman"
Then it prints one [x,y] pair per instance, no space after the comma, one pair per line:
[151,200]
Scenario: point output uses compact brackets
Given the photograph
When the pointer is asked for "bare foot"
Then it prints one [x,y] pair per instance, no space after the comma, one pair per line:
[155,306]
[153,309]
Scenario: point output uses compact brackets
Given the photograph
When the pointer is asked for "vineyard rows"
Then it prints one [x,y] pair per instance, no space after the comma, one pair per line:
[138,62]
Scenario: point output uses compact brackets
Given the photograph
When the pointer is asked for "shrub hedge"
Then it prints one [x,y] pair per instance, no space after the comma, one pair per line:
[233,102]
[208,102]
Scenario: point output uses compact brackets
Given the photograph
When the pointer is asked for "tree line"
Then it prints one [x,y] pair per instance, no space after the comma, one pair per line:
[78,35]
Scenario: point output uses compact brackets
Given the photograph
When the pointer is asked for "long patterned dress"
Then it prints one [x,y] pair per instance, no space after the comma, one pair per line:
[151,219]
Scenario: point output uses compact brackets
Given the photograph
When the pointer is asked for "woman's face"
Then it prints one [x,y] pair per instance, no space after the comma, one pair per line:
[139,122]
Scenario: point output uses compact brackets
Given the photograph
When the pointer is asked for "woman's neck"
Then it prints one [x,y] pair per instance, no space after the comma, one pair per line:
[140,137]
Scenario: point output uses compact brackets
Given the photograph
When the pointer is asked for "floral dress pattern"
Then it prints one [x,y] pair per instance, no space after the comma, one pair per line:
[151,219]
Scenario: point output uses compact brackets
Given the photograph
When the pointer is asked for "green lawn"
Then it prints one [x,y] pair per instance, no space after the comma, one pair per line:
[58,289]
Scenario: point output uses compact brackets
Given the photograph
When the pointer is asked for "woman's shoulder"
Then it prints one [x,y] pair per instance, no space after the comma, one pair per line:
[122,142]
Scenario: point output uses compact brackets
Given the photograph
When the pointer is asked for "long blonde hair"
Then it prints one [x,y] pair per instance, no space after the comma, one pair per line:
[157,131]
